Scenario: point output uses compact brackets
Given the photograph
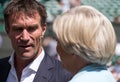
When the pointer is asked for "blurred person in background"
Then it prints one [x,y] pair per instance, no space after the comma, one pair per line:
[74,3]
[68,4]
[25,25]
[117,20]
[54,8]
[1,41]
[49,44]
[117,68]
[86,43]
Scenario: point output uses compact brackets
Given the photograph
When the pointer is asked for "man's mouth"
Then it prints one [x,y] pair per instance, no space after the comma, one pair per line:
[25,46]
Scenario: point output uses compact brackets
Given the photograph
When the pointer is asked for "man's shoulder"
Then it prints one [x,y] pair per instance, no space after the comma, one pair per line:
[57,69]
[52,60]
[54,63]
[4,61]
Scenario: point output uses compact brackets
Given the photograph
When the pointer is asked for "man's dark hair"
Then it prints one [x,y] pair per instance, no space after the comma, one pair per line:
[26,6]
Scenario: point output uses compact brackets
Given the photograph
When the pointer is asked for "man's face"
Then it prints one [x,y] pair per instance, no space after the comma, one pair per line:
[25,33]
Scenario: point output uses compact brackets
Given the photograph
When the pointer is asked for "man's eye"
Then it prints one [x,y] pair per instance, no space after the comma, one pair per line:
[18,29]
[31,29]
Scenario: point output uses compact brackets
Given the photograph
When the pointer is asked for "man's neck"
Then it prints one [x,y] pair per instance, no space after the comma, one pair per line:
[20,64]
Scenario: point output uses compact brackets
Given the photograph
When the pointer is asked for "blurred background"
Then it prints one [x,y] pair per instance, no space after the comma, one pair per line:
[110,8]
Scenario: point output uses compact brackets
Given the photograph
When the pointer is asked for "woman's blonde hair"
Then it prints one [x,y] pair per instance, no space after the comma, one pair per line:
[86,32]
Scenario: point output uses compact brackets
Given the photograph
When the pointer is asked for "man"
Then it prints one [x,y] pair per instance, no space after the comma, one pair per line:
[25,24]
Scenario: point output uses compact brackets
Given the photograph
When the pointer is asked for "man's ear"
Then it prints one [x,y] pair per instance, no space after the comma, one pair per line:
[44,29]
[6,29]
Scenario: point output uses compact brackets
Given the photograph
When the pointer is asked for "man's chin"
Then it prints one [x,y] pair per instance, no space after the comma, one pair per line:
[26,56]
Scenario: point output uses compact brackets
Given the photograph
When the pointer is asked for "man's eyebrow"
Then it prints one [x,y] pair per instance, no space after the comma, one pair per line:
[33,25]
[17,25]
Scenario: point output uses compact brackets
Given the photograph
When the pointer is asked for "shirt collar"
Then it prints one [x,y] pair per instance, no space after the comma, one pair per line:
[11,60]
[33,65]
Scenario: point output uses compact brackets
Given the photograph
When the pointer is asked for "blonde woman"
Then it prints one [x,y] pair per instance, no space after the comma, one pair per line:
[86,43]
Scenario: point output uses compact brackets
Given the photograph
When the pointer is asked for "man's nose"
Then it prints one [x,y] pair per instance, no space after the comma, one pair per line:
[25,35]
